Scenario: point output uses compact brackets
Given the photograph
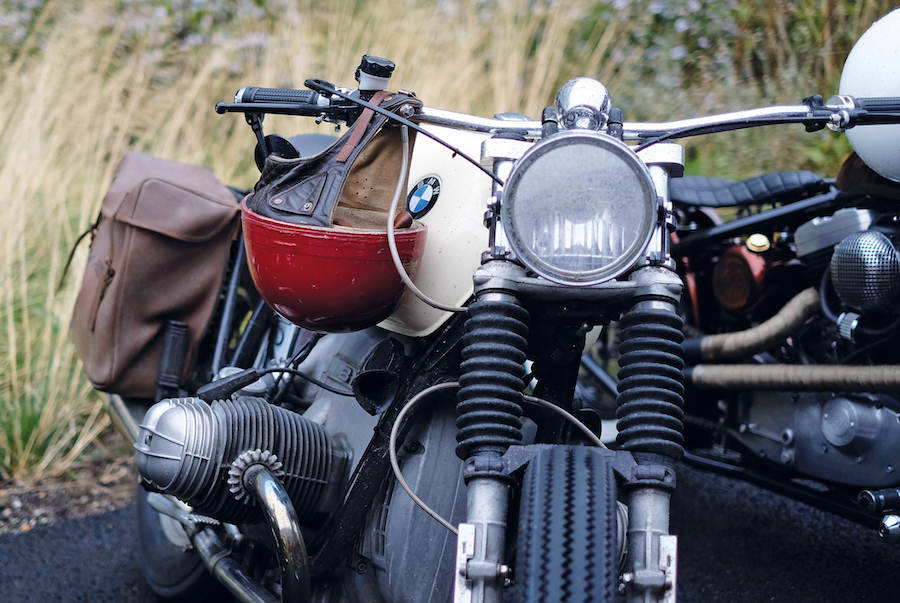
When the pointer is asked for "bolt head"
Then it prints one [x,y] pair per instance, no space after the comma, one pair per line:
[889,530]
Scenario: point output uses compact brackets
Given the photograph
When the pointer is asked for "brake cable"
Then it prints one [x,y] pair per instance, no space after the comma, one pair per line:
[407,408]
[392,241]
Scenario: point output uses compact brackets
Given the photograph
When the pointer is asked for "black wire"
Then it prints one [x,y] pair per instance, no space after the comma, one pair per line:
[320,86]
[301,355]
[824,286]
[830,315]
[304,350]
[304,376]
[870,332]
[865,349]
[750,123]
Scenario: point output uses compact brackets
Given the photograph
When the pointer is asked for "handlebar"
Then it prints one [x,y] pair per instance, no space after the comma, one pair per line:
[839,112]
[887,103]
[255,94]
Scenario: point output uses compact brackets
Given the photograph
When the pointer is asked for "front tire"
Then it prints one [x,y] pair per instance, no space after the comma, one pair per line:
[567,547]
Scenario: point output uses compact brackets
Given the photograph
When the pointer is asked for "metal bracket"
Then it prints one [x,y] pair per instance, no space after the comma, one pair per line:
[187,524]
[668,561]
[664,580]
[471,570]
[516,457]
[650,475]
[502,148]
[465,550]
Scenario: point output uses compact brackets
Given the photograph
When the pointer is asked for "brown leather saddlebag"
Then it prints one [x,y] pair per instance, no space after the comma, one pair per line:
[158,253]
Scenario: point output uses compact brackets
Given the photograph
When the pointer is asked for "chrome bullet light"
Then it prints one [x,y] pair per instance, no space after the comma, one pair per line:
[579,208]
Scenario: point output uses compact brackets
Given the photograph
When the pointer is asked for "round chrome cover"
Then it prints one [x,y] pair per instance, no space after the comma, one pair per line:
[579,208]
[582,103]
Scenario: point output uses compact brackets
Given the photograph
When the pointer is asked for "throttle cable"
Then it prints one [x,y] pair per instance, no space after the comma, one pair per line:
[392,242]
[407,408]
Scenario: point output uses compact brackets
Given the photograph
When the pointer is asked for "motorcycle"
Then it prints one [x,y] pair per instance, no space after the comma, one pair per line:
[790,313]
[290,453]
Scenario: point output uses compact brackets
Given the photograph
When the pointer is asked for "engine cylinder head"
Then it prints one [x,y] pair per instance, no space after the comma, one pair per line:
[187,448]
[865,271]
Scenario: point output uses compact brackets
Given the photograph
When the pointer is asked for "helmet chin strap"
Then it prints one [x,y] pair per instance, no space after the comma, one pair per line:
[392,243]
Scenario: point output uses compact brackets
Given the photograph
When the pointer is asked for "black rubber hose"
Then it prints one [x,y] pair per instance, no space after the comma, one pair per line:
[228,571]
[824,287]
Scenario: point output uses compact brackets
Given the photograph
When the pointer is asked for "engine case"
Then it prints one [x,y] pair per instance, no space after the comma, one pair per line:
[851,439]
[412,555]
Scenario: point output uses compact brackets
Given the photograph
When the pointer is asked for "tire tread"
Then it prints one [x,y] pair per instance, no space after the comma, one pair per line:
[566,549]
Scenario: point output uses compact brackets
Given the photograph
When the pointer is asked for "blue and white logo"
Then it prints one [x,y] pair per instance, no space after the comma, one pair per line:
[423,196]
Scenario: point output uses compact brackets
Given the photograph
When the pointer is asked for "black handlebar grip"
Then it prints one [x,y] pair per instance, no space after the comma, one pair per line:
[890,104]
[255,94]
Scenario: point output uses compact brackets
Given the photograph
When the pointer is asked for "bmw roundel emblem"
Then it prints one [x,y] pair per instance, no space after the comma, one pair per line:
[423,196]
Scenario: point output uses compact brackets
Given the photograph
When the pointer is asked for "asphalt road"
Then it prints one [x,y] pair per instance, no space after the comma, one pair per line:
[737,543]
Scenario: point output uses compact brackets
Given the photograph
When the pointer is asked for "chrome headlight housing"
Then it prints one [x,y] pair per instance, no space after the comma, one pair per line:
[579,208]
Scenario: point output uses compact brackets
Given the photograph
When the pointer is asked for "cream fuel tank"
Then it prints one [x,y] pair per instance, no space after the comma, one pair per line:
[450,196]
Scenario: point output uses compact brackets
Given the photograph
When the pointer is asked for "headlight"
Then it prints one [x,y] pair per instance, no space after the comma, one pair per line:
[579,208]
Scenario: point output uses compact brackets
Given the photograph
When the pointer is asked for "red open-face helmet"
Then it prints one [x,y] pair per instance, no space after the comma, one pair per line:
[328,278]
[314,227]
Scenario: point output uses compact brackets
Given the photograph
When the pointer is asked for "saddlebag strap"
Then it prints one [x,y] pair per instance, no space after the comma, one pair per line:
[307,190]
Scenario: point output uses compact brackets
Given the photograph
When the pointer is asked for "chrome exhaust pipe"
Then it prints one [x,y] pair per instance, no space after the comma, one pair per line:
[269,493]
[273,499]
[227,571]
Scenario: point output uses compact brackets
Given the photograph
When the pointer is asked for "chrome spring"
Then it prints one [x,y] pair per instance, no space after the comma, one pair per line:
[489,401]
[651,385]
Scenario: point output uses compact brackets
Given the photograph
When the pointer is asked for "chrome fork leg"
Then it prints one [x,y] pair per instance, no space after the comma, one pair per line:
[480,573]
[651,550]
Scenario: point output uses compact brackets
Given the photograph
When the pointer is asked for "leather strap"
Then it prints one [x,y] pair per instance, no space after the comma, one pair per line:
[359,127]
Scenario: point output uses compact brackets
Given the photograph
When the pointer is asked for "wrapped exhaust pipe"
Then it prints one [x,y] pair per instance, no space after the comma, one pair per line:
[795,377]
[763,336]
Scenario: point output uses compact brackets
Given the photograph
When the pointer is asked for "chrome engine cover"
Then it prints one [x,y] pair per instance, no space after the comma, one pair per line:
[851,439]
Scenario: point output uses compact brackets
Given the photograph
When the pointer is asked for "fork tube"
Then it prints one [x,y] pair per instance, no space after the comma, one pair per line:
[650,414]
[489,410]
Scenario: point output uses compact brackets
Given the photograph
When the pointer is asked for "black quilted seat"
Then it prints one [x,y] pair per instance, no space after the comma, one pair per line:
[774,187]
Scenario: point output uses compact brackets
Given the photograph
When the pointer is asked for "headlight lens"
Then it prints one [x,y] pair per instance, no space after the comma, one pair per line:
[579,208]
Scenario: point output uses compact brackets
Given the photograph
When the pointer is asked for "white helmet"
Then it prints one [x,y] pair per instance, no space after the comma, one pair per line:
[873,70]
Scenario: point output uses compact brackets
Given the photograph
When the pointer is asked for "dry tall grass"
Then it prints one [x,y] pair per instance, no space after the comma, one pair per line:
[93,80]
